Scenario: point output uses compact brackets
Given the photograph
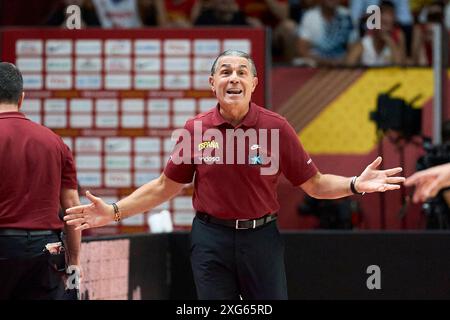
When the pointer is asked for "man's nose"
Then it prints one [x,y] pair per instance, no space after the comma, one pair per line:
[233,77]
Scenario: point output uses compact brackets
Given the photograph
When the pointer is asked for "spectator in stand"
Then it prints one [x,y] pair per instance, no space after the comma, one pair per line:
[402,11]
[422,44]
[222,12]
[325,32]
[403,17]
[88,14]
[422,9]
[113,13]
[274,14]
[117,13]
[265,12]
[380,47]
[182,13]
[152,12]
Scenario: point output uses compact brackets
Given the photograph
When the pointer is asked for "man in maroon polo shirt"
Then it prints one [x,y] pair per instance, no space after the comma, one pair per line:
[38,177]
[235,153]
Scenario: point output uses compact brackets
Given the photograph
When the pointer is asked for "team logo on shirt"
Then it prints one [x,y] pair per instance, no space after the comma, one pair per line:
[208,144]
[256,160]
[259,148]
[209,160]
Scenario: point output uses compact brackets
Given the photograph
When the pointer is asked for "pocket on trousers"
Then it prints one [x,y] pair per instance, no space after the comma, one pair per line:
[57,261]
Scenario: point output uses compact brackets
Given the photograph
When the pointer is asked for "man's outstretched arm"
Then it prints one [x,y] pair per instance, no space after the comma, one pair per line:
[69,198]
[98,213]
[428,182]
[329,186]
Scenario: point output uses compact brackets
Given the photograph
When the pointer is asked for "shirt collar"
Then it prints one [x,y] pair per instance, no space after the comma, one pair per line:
[12,114]
[249,120]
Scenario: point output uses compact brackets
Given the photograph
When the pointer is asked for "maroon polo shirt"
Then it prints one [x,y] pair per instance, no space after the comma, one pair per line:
[228,181]
[34,165]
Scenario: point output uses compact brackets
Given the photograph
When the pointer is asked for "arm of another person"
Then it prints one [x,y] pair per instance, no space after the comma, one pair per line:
[304,49]
[329,186]
[197,9]
[398,49]
[161,14]
[98,213]
[69,198]
[353,57]
[304,45]
[417,51]
[428,182]
[278,9]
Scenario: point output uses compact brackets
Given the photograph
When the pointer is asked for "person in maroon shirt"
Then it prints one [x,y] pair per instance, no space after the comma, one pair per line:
[235,154]
[38,178]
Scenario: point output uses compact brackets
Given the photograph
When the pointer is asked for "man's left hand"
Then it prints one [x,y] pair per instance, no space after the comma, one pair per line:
[373,180]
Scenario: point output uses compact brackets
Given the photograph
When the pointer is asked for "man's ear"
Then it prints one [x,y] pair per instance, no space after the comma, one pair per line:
[255,83]
[21,98]
[211,83]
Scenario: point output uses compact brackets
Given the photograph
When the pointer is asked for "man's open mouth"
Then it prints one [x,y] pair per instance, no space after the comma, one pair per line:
[234,91]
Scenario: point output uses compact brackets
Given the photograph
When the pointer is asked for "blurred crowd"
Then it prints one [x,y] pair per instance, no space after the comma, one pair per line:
[304,32]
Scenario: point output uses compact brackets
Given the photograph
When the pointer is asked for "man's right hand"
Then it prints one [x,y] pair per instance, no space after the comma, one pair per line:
[95,214]
[428,182]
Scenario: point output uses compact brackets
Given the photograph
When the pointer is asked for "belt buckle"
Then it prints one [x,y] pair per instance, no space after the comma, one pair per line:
[237,224]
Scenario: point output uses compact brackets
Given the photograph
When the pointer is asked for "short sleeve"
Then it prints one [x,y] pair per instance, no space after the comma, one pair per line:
[180,166]
[295,163]
[305,29]
[69,173]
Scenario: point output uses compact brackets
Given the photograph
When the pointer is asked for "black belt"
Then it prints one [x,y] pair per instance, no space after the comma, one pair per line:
[26,233]
[238,223]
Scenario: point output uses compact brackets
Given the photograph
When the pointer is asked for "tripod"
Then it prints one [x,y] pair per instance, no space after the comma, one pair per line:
[400,142]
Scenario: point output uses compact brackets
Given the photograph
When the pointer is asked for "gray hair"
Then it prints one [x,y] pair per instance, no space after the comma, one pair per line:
[234,53]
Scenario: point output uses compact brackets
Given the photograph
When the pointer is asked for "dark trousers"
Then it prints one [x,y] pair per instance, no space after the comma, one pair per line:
[229,264]
[26,271]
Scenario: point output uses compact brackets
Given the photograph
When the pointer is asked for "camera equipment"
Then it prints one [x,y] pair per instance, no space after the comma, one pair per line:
[396,114]
[434,156]
[436,212]
[436,209]
[400,122]
[332,214]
